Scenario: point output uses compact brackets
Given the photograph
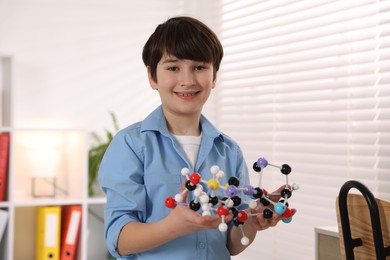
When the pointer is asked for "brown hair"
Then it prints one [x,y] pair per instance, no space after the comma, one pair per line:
[185,38]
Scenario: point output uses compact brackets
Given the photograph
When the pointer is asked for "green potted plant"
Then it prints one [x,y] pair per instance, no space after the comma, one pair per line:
[96,152]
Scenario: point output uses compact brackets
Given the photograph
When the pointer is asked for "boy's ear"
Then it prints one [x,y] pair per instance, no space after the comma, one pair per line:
[152,82]
[214,81]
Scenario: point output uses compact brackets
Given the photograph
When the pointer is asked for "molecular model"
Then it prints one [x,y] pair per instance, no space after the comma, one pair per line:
[208,201]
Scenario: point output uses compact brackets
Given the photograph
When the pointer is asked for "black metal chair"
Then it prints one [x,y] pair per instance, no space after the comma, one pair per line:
[364,223]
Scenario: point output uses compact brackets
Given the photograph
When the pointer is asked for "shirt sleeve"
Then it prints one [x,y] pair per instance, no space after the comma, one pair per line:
[121,179]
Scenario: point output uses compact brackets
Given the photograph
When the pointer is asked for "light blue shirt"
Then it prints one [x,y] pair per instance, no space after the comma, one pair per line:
[142,167]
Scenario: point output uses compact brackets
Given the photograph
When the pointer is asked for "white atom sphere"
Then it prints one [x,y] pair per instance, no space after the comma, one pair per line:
[206,213]
[214,169]
[245,241]
[178,197]
[223,227]
[229,203]
[220,174]
[295,186]
[185,171]
[205,207]
[204,198]
[198,192]
[253,204]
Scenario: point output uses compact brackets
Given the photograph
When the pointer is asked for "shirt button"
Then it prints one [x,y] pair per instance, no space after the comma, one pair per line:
[202,245]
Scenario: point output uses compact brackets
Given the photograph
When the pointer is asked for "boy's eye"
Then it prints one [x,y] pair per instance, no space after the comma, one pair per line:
[173,68]
[200,67]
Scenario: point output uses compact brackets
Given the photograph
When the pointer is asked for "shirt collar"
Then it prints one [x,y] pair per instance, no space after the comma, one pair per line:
[155,121]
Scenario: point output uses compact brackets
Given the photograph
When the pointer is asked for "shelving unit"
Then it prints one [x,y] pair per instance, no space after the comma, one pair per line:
[18,241]
[5,127]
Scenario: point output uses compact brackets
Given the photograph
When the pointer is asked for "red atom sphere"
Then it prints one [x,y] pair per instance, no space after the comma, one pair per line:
[170,202]
[265,192]
[287,213]
[195,178]
[242,216]
[222,211]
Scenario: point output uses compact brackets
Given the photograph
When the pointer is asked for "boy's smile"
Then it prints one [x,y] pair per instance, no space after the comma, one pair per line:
[186,95]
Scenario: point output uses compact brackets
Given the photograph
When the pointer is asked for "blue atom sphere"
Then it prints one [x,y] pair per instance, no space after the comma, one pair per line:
[286,220]
[280,208]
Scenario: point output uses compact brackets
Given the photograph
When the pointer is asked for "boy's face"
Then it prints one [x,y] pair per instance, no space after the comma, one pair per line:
[184,85]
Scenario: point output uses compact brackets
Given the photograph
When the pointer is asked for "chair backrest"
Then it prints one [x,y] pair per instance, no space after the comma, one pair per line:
[363,223]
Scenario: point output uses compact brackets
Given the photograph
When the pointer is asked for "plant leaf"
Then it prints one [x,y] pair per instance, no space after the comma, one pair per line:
[96,153]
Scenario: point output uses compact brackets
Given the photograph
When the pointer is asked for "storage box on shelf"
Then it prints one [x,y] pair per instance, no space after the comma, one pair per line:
[57,159]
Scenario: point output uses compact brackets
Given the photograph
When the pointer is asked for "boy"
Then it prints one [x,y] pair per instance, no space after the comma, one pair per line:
[143,163]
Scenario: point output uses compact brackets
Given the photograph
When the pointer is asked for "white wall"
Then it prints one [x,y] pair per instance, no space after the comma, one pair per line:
[77,60]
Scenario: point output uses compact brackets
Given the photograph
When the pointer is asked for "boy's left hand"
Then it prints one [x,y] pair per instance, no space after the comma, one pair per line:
[259,222]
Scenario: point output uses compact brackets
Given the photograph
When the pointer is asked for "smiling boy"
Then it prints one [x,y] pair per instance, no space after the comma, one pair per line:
[142,165]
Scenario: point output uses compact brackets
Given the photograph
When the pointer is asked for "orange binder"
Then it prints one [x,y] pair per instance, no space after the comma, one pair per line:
[70,231]
[4,158]
[48,228]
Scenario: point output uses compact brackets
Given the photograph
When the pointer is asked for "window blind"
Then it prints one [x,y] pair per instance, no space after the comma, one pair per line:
[307,83]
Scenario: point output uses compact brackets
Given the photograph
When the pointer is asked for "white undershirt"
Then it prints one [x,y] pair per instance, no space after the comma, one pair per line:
[190,145]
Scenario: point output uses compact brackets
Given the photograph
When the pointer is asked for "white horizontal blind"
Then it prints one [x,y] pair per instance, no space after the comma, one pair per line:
[308,83]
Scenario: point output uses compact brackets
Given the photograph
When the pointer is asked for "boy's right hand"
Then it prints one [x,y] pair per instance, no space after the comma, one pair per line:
[183,221]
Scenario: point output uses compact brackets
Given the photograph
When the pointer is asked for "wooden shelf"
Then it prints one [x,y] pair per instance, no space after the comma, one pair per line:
[18,241]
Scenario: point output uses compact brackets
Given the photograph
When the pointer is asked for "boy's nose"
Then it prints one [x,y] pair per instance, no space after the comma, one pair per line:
[187,78]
